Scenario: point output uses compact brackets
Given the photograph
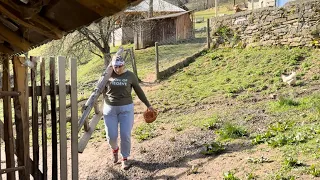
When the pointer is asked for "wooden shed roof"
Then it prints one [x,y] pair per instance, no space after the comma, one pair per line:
[25,24]
[166,16]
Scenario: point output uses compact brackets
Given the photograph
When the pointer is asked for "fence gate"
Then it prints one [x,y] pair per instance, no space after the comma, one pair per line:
[34,118]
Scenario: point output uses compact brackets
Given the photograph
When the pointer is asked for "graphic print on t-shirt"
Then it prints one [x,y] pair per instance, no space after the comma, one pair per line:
[119,82]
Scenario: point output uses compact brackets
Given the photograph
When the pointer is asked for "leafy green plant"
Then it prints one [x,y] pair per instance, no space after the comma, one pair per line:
[251,176]
[280,126]
[144,132]
[292,162]
[287,102]
[231,131]
[230,176]
[213,148]
[284,177]
[314,171]
[262,138]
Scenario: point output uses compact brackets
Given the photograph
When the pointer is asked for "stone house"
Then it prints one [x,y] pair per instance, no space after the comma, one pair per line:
[266,3]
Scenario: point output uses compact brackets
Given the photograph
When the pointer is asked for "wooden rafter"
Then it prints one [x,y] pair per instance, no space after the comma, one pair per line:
[14,38]
[18,20]
[4,49]
[48,25]
[100,6]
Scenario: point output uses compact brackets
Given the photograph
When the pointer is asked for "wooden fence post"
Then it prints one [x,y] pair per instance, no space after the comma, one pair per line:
[74,119]
[53,100]
[216,7]
[208,33]
[35,124]
[133,60]
[157,61]
[7,115]
[44,119]
[62,118]
[21,116]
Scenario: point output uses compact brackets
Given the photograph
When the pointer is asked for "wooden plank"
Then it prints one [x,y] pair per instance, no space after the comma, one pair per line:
[9,93]
[14,38]
[8,170]
[38,90]
[4,49]
[44,119]
[87,135]
[35,123]
[1,135]
[74,120]
[53,101]
[21,118]
[62,118]
[7,114]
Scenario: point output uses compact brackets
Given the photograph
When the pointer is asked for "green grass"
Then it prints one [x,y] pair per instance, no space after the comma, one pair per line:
[237,73]
[210,13]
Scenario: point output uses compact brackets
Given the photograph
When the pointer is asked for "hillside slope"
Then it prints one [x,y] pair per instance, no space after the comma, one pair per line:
[227,116]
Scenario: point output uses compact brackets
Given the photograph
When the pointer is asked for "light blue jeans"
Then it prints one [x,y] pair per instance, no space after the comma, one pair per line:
[113,116]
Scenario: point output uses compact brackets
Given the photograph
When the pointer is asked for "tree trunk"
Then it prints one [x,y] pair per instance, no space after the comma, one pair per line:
[107,59]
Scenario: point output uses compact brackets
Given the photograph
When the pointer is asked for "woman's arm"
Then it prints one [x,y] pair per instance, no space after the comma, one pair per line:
[137,88]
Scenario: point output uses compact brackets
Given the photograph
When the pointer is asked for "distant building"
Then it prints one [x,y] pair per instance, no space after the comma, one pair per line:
[266,3]
[160,8]
[163,29]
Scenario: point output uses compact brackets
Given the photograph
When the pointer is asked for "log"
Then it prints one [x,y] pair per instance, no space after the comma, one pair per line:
[7,114]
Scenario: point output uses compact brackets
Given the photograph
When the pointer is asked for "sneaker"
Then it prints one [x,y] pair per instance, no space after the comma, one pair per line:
[115,155]
[125,164]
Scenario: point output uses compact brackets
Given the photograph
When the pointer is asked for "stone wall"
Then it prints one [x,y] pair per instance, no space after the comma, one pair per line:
[295,24]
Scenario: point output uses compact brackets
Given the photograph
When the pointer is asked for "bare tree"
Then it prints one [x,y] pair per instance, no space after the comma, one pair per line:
[94,38]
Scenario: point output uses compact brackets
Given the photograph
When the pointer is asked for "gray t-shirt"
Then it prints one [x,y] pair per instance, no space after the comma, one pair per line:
[119,87]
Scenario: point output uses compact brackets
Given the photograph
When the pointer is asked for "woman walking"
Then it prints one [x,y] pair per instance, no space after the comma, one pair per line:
[118,108]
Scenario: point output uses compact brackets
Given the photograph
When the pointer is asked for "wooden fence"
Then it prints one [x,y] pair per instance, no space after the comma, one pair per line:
[15,131]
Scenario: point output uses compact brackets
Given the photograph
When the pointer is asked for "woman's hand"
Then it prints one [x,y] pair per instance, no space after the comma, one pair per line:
[150,108]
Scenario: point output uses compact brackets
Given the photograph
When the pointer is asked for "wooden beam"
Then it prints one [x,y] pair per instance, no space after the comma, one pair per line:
[44,22]
[9,93]
[7,115]
[4,49]
[13,38]
[8,170]
[46,32]
[21,118]
[38,90]
[100,6]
